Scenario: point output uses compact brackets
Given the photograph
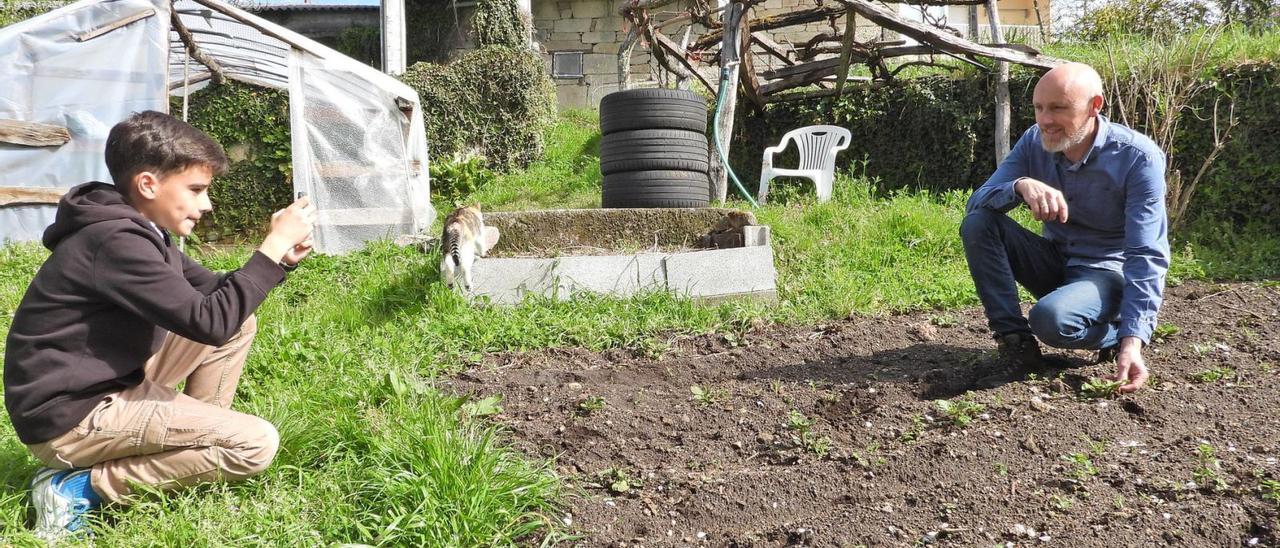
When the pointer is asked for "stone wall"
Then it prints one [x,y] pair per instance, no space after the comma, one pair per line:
[594,28]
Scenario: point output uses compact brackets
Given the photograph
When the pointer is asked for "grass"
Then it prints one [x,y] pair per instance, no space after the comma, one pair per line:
[349,350]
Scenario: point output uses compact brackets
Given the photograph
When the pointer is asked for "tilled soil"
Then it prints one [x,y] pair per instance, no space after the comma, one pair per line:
[831,435]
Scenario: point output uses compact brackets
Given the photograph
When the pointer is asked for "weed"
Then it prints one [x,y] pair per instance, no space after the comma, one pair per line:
[590,405]
[485,407]
[944,320]
[1081,467]
[1266,367]
[1118,502]
[1213,375]
[807,439]
[1096,388]
[1163,332]
[1002,469]
[870,456]
[912,433]
[1270,490]
[959,411]
[1208,471]
[708,396]
[775,386]
[1062,502]
[618,481]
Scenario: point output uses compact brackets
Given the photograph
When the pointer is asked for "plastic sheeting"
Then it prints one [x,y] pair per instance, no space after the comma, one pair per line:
[359,140]
[354,155]
[50,73]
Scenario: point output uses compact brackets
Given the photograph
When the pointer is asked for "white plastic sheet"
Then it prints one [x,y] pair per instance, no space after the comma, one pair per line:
[48,74]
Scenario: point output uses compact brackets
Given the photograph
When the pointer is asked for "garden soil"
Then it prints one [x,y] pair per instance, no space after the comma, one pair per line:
[832,435]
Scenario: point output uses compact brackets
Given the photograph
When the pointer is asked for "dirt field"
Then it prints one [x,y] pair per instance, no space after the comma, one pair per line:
[830,435]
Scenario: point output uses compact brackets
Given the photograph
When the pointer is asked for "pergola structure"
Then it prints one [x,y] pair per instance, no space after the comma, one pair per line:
[821,64]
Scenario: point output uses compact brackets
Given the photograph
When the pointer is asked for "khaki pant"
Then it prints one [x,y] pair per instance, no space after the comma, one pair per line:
[152,435]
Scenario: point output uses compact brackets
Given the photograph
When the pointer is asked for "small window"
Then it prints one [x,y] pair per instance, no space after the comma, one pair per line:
[566,64]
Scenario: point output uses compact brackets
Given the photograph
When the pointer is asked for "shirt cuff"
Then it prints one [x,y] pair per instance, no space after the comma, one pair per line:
[1136,328]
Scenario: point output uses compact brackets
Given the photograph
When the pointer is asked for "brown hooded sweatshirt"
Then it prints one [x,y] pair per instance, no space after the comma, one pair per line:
[101,305]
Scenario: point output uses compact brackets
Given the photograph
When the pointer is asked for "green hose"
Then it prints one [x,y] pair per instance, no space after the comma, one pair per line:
[715,135]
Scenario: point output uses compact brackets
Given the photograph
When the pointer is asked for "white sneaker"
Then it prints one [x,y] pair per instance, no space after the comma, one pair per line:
[58,515]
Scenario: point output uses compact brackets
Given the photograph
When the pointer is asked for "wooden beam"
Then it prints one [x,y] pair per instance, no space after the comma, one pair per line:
[628,8]
[846,52]
[675,51]
[944,41]
[194,51]
[33,134]
[18,195]
[777,21]
[860,85]
[772,48]
[94,33]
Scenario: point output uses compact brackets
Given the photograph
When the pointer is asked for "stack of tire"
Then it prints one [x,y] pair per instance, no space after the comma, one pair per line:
[653,149]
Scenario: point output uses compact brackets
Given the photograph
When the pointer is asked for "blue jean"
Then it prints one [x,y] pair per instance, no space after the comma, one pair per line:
[1077,306]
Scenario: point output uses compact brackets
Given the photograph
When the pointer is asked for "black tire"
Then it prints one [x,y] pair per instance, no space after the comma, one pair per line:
[653,109]
[653,149]
[659,188]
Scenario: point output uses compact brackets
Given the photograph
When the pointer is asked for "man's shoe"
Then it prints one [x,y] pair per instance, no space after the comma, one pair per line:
[1108,355]
[1019,354]
[59,513]
[1019,349]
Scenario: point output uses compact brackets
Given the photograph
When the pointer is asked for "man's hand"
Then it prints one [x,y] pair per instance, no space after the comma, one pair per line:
[1046,202]
[1130,367]
[290,228]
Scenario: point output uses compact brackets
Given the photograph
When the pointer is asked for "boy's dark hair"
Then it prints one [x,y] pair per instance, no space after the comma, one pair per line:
[159,143]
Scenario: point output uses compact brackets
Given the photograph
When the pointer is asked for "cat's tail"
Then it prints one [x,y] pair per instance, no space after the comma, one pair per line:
[451,244]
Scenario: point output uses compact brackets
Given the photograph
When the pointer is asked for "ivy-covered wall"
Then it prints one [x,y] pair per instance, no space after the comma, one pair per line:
[496,101]
[936,134]
[252,124]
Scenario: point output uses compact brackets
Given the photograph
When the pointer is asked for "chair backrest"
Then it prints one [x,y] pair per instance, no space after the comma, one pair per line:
[815,144]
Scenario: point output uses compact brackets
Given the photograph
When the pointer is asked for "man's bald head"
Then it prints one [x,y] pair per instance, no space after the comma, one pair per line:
[1076,80]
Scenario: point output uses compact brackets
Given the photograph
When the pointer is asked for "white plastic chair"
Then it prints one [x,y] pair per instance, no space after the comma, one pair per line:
[818,148]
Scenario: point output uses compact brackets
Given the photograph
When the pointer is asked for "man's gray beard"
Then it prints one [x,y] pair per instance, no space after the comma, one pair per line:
[1067,142]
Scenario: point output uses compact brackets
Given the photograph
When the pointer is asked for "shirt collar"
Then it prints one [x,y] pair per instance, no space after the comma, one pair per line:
[1104,131]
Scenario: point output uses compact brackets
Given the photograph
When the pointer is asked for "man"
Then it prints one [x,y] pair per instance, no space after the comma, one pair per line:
[1098,270]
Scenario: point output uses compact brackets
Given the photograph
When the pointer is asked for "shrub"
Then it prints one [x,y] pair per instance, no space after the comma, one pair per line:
[252,123]
[495,101]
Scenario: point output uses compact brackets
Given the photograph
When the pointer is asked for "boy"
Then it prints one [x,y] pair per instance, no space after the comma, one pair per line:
[117,317]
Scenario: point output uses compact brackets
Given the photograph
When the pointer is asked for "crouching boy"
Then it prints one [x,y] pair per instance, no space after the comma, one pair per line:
[118,317]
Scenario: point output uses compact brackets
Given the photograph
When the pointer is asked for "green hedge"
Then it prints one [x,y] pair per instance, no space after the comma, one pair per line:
[495,101]
[935,133]
[252,124]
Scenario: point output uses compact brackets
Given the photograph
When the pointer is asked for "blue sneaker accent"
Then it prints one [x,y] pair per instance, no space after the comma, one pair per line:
[60,502]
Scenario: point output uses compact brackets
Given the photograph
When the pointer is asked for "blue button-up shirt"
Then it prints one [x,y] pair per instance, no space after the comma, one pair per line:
[1115,211]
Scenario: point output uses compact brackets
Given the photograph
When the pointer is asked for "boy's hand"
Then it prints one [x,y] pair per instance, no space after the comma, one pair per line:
[298,252]
[290,228]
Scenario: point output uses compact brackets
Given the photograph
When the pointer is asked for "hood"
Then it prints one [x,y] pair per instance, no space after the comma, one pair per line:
[87,204]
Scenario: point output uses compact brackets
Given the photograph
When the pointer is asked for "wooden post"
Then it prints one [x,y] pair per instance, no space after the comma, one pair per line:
[393,40]
[1002,88]
[729,48]
[973,23]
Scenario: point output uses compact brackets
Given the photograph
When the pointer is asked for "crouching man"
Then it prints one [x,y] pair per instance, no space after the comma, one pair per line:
[118,317]
[1098,270]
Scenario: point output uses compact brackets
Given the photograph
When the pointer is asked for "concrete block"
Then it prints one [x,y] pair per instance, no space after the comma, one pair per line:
[755,235]
[617,275]
[570,96]
[507,281]
[593,8]
[613,23]
[565,45]
[606,47]
[572,25]
[546,9]
[599,37]
[722,272]
[569,38]
[599,63]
